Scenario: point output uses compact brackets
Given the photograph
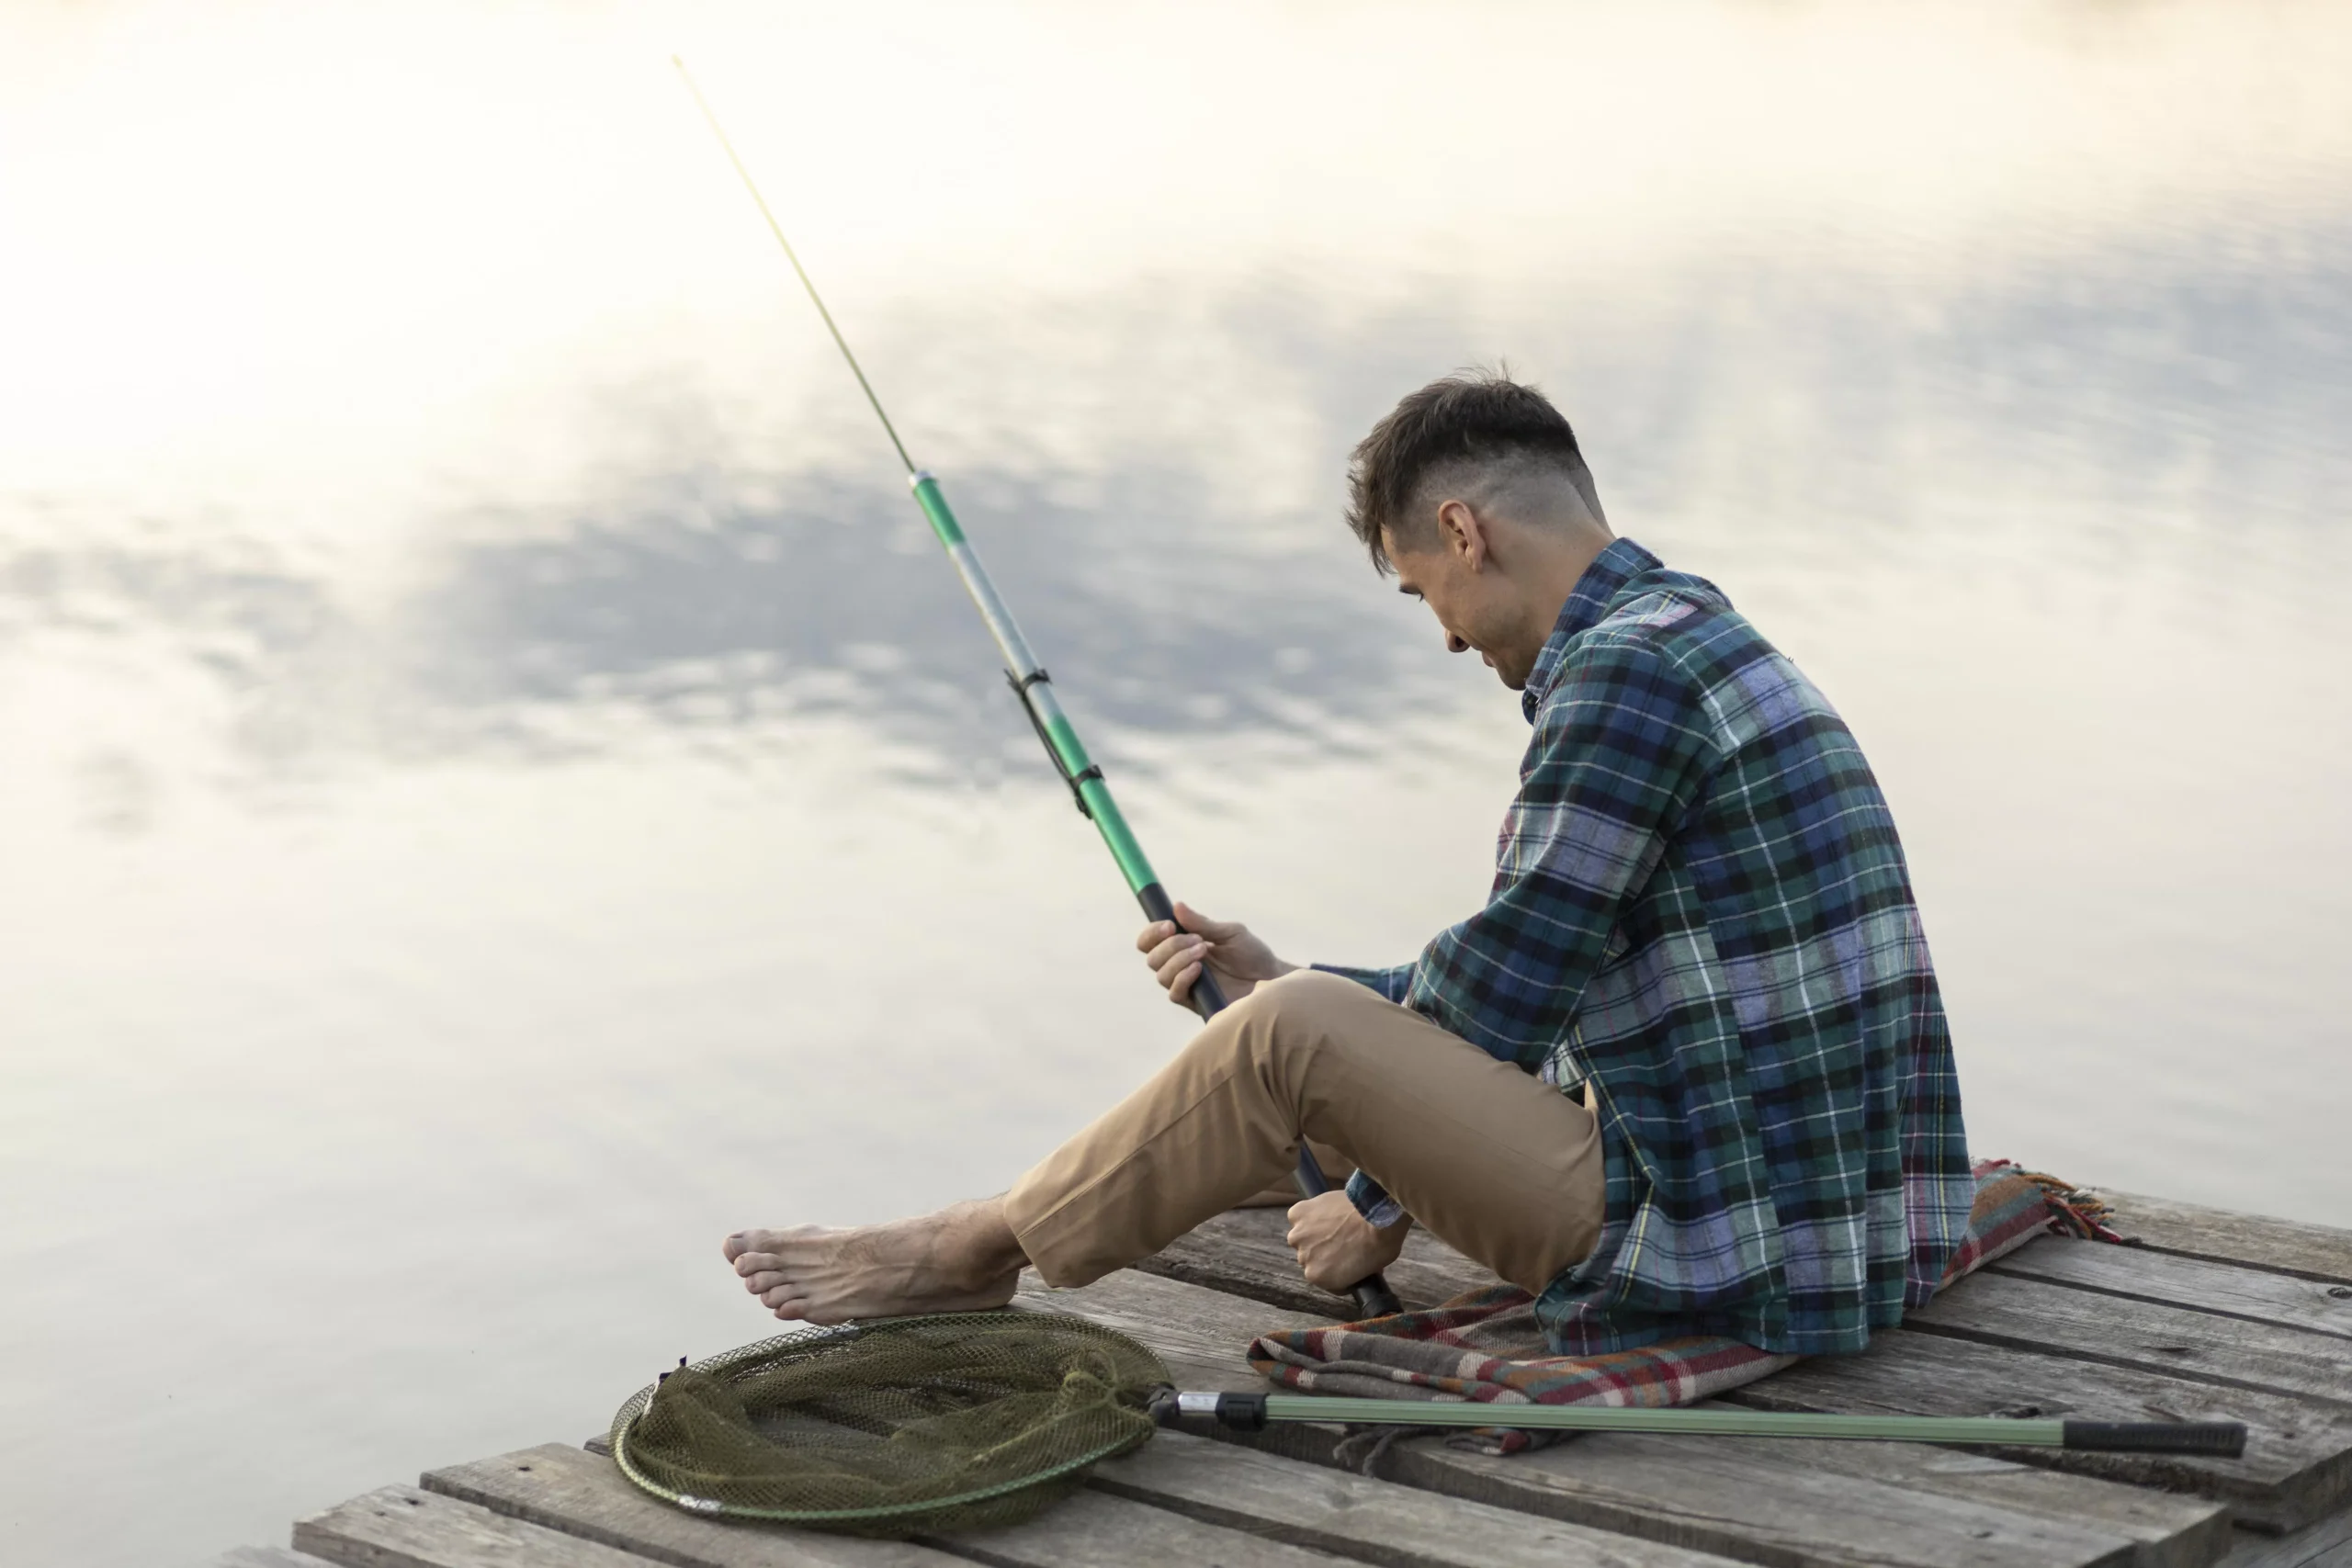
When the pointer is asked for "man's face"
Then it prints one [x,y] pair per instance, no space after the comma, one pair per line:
[1474,607]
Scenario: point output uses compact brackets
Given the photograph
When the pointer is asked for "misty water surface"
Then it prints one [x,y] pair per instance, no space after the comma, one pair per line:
[501,789]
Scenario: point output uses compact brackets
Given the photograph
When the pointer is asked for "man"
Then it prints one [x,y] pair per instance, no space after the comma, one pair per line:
[1688,1070]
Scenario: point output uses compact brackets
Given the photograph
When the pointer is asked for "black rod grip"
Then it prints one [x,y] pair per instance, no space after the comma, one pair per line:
[2226,1440]
[1207,996]
[1241,1412]
[1373,1298]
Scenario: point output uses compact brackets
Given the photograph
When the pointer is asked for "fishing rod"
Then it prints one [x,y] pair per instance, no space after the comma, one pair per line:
[1033,687]
[1254,1412]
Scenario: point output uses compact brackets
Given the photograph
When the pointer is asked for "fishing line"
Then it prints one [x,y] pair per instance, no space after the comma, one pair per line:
[794,257]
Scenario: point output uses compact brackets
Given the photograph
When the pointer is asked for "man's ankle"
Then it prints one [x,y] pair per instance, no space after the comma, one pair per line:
[981,1243]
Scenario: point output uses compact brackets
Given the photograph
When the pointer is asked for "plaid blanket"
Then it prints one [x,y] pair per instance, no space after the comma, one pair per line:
[1487,1345]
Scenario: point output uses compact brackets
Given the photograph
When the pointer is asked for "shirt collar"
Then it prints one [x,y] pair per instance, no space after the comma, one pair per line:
[1619,564]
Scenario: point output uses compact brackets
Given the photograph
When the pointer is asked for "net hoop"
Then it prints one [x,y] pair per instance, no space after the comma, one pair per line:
[625,1419]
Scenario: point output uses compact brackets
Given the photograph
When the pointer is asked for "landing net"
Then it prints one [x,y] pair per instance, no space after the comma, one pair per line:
[893,1428]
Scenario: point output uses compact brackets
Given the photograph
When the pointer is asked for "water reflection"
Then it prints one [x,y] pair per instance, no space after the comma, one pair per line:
[831,599]
[492,753]
[674,606]
[2167,404]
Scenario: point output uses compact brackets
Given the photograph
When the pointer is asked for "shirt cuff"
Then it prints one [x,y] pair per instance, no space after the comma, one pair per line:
[1372,1201]
[1390,982]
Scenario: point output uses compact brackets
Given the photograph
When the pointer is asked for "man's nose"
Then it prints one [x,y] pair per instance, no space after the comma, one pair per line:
[1455,645]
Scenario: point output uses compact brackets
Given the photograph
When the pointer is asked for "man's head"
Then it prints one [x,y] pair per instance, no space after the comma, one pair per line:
[1473,492]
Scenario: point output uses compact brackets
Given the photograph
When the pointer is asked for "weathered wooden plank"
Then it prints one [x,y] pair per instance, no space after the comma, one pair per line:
[402,1527]
[2168,1531]
[1336,1511]
[2228,1288]
[580,1494]
[2034,1315]
[1202,1352]
[1720,1494]
[1769,1503]
[1242,1253]
[1094,1528]
[266,1557]
[2327,1544]
[2258,1241]
[587,1497]
[2297,1467]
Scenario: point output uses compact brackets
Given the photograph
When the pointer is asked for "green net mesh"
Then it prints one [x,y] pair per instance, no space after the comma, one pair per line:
[897,1427]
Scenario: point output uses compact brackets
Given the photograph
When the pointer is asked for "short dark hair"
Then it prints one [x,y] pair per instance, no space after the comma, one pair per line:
[1473,417]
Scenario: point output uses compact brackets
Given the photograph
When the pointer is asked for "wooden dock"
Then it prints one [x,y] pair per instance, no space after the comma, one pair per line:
[2215,1316]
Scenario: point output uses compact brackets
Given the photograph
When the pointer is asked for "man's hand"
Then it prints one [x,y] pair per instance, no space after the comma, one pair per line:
[1238,959]
[1337,1247]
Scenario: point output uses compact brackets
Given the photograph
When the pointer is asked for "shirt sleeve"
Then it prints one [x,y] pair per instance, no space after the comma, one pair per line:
[1372,1201]
[1390,982]
[1622,748]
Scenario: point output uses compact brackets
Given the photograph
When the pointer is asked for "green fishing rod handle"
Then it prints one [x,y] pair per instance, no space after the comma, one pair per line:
[934,502]
[1033,686]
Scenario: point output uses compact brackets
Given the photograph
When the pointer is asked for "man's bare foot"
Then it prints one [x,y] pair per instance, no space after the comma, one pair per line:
[963,1259]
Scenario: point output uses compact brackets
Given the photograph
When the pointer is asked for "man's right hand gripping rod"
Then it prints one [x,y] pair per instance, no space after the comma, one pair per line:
[1373,1298]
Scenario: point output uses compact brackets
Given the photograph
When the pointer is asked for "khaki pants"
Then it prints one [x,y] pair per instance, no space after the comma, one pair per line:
[1502,1166]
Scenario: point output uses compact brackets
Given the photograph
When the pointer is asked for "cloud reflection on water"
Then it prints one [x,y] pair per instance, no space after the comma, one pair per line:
[826,602]
[668,609]
[2171,405]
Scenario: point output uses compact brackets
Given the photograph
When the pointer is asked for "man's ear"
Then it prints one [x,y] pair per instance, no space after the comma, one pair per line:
[1464,535]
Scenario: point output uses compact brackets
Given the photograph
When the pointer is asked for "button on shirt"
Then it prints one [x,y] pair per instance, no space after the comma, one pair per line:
[1701,909]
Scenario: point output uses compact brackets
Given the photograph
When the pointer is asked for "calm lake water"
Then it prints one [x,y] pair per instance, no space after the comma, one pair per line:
[501,789]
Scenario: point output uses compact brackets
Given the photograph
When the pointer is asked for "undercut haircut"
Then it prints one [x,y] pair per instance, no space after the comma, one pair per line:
[1477,429]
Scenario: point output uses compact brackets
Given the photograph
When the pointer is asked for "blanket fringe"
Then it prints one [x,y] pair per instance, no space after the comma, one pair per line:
[2074,1210]
[1362,1447]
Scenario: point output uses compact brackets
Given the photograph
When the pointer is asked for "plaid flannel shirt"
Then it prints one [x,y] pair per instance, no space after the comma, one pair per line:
[1701,909]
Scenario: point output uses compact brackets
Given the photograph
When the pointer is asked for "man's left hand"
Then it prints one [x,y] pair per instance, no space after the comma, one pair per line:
[1337,1247]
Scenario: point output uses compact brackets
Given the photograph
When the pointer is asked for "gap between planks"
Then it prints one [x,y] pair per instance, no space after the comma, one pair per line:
[2324,1545]
[2225,1235]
